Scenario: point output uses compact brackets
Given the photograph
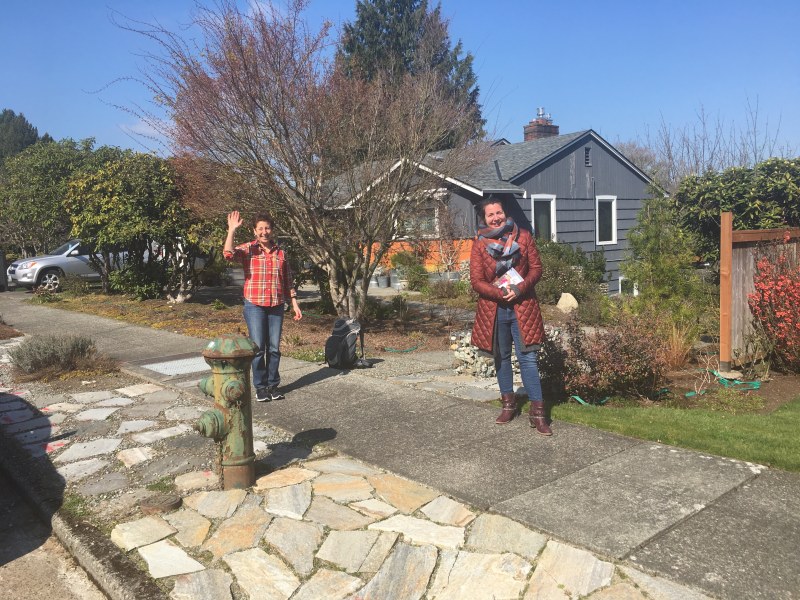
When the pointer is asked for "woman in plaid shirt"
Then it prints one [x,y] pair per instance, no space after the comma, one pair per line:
[267,286]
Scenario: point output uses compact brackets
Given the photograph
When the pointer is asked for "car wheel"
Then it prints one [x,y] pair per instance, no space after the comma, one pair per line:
[51,279]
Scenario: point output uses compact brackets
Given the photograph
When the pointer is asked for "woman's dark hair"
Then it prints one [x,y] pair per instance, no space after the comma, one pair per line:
[480,207]
[266,217]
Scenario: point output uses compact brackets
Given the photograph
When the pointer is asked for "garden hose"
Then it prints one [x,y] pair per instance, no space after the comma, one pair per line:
[582,401]
[728,383]
[735,383]
[402,351]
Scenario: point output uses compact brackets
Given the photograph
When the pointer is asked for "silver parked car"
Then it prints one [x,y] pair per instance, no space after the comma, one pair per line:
[48,270]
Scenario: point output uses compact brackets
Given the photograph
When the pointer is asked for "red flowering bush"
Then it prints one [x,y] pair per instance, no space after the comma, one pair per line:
[775,304]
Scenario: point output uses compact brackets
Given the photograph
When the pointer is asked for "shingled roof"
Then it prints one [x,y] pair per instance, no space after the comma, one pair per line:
[506,166]
[509,162]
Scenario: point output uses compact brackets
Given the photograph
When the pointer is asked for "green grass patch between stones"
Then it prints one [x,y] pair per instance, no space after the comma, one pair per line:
[163,485]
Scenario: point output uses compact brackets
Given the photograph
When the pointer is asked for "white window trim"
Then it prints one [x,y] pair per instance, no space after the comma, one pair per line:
[551,198]
[597,201]
[435,194]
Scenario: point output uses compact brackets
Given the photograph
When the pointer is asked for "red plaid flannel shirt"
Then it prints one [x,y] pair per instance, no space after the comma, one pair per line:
[267,275]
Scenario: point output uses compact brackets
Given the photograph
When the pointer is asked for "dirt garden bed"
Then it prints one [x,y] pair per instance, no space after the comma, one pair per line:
[217,311]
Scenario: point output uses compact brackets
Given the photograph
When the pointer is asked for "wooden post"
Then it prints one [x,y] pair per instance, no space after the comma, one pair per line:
[725,289]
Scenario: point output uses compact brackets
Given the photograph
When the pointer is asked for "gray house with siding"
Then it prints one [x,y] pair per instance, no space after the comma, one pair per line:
[574,189]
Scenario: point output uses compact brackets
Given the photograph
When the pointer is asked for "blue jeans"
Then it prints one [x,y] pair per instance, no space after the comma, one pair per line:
[264,324]
[508,330]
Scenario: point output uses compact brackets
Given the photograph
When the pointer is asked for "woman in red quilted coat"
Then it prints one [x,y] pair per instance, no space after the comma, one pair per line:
[504,268]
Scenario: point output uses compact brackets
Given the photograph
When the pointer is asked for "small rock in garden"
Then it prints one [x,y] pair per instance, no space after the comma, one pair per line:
[732,375]
[567,303]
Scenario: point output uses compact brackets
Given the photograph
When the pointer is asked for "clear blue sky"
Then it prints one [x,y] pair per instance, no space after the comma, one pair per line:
[618,67]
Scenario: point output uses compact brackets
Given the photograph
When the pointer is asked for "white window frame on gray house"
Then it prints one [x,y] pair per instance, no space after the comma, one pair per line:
[551,200]
[612,200]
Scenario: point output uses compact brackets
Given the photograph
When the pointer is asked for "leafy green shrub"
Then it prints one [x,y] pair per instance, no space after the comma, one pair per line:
[408,267]
[417,277]
[44,296]
[62,352]
[143,282]
[596,309]
[400,307]
[592,265]
[762,197]
[661,263]
[75,286]
[442,288]
[568,270]
[403,259]
[218,304]
[624,359]
[375,310]
[464,290]
[453,294]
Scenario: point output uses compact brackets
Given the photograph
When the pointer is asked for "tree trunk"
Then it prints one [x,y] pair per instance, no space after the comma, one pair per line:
[104,272]
[185,289]
[348,295]
[339,293]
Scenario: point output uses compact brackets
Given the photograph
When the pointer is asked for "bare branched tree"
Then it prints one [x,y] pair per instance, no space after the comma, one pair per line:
[451,237]
[336,159]
[707,144]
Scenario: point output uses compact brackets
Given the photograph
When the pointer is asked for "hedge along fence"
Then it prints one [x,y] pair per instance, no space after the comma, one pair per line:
[736,273]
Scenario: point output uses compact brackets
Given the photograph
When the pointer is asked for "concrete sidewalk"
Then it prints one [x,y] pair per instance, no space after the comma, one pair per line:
[593,502]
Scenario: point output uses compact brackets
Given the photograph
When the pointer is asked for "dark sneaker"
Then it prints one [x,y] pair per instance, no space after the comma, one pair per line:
[276,395]
[263,395]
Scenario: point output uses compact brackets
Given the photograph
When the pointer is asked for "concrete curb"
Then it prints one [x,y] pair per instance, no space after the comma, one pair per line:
[114,573]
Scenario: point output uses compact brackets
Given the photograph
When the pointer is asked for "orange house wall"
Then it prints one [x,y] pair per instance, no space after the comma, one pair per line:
[433,260]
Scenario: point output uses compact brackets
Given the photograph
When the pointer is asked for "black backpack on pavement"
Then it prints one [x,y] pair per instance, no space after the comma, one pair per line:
[340,347]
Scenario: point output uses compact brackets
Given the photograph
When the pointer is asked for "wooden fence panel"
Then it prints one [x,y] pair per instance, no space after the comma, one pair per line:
[737,269]
[742,271]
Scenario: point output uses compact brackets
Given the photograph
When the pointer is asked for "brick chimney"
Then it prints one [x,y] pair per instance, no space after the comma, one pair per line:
[541,127]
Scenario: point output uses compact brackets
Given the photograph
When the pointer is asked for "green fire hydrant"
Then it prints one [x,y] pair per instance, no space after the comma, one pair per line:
[230,422]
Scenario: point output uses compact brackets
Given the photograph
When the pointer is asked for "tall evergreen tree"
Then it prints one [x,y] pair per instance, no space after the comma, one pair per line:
[404,37]
[16,133]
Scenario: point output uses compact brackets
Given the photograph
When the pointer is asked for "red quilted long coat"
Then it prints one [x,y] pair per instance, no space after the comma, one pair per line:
[526,306]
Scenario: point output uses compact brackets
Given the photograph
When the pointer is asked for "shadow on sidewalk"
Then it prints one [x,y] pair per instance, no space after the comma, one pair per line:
[32,480]
[300,447]
[322,374]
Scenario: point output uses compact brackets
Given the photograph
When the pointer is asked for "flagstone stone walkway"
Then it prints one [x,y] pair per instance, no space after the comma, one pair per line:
[317,525]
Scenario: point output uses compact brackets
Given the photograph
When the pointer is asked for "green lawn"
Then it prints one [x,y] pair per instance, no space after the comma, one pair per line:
[768,439]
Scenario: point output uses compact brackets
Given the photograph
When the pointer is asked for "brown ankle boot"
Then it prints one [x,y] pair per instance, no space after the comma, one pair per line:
[510,408]
[538,420]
